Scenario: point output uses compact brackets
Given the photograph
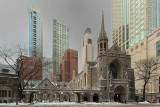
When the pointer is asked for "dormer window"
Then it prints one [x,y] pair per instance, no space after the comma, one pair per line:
[5,70]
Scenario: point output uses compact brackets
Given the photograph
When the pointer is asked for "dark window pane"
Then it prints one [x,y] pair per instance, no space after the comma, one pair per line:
[2,93]
[9,93]
[158,48]
[5,93]
[89,41]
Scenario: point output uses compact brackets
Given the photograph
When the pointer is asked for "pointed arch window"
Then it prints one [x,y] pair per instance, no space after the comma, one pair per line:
[98,47]
[113,71]
[104,46]
[101,47]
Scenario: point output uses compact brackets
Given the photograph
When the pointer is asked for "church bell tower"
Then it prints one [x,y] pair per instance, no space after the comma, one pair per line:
[102,59]
[102,51]
[102,40]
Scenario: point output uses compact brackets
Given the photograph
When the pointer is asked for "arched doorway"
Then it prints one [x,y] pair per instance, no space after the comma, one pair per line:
[33,97]
[45,97]
[66,97]
[116,69]
[56,97]
[85,99]
[77,97]
[119,94]
[95,98]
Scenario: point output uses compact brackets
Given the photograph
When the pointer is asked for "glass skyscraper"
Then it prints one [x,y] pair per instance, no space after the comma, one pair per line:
[35,34]
[60,44]
[134,19]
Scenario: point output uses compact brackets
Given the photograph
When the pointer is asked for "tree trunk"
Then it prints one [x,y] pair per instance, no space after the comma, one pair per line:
[20,94]
[144,91]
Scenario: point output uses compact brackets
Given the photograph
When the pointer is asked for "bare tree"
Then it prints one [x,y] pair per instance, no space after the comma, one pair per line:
[26,68]
[145,70]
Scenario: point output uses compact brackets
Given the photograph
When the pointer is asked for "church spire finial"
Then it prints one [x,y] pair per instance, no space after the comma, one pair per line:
[102,33]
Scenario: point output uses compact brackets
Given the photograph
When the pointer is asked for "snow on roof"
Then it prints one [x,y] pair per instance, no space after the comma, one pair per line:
[7,67]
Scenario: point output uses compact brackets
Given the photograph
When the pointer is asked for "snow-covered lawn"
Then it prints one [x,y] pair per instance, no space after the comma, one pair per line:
[82,103]
[65,103]
[13,104]
[107,104]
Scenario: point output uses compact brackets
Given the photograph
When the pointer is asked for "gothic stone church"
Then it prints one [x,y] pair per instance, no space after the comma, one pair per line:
[111,75]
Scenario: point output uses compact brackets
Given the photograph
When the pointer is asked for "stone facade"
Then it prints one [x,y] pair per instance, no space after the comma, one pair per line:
[88,47]
[8,83]
[111,74]
[48,91]
[147,48]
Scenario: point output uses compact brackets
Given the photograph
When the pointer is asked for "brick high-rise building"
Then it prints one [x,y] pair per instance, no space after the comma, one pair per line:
[32,68]
[69,65]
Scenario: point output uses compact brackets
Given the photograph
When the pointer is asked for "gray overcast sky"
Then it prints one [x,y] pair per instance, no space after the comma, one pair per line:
[76,14]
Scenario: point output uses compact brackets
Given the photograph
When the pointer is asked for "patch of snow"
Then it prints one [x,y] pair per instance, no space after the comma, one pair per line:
[145,102]
[13,104]
[64,103]
[56,103]
[82,103]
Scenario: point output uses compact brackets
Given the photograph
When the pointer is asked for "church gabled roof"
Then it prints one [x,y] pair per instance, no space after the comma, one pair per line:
[46,83]
[115,48]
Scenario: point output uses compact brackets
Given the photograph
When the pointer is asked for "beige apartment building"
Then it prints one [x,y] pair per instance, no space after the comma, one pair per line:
[132,20]
[147,48]
[134,29]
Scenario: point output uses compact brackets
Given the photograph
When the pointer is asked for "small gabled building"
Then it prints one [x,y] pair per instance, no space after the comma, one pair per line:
[46,91]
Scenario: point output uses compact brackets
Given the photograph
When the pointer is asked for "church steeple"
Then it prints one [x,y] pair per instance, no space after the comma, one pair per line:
[103,32]
[102,40]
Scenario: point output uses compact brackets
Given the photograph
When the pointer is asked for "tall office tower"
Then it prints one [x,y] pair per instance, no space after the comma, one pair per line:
[87,49]
[69,66]
[60,44]
[35,34]
[134,19]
